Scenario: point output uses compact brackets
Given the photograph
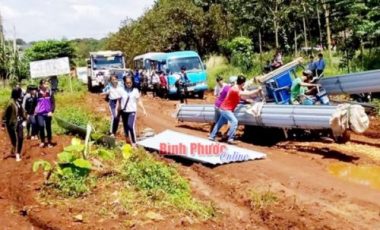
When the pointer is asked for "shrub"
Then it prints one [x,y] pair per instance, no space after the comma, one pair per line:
[240,51]
[70,176]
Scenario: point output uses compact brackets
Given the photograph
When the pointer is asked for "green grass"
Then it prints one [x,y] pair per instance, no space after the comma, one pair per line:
[75,85]
[162,185]
[262,199]
[71,107]
[5,95]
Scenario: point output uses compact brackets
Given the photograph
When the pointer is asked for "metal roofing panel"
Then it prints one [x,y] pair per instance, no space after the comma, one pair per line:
[198,149]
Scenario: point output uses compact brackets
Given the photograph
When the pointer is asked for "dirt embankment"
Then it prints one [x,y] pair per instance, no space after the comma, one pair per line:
[300,192]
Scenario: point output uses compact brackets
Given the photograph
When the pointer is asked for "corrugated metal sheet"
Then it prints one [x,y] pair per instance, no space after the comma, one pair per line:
[362,82]
[198,149]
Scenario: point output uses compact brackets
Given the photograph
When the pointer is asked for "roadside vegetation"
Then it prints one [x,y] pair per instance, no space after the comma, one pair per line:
[147,185]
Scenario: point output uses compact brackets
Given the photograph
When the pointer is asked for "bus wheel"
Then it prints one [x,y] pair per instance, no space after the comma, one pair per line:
[201,95]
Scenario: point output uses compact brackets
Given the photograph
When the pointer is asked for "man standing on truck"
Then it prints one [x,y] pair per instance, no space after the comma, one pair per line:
[320,65]
[181,85]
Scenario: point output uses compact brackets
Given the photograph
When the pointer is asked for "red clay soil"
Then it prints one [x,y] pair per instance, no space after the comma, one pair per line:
[307,196]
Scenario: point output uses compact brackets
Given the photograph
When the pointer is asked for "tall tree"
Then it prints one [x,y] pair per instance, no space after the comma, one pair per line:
[326,8]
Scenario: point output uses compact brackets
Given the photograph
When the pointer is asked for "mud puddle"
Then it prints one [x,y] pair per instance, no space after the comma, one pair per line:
[367,175]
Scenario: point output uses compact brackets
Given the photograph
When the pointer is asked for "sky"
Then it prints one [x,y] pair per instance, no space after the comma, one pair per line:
[35,20]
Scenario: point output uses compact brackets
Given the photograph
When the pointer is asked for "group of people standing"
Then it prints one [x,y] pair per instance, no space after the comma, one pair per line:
[151,80]
[156,80]
[33,111]
[123,101]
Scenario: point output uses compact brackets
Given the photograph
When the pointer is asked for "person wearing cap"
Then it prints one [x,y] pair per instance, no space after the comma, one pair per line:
[14,119]
[228,106]
[219,86]
[299,87]
[181,85]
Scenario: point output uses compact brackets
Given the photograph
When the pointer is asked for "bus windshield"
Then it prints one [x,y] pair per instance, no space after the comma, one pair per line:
[192,64]
[108,62]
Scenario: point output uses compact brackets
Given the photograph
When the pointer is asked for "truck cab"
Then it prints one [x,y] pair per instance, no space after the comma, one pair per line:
[101,65]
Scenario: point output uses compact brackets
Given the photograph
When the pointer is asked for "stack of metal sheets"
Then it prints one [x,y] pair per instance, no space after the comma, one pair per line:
[272,115]
[362,82]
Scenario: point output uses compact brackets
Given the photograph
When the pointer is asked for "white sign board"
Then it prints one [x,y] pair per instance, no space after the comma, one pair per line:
[50,67]
[82,74]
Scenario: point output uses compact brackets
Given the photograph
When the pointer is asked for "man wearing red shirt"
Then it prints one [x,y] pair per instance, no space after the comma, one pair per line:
[228,106]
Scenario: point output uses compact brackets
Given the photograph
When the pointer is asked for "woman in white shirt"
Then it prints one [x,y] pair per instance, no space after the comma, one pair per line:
[129,100]
[114,91]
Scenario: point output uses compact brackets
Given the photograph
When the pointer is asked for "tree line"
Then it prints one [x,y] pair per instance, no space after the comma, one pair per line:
[289,25]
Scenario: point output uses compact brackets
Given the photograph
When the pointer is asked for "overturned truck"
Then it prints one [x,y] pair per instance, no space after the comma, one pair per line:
[279,118]
[288,120]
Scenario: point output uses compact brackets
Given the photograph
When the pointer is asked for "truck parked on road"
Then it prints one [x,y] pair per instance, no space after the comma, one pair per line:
[101,65]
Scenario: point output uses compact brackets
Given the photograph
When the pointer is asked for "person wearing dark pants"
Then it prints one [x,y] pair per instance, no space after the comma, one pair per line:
[115,117]
[14,120]
[181,85]
[128,102]
[129,121]
[113,92]
[44,122]
[29,105]
[44,113]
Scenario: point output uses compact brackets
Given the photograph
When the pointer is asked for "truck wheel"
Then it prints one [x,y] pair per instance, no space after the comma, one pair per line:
[89,84]
[344,138]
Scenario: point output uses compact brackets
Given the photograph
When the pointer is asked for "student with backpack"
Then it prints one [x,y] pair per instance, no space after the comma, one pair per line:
[44,113]
[14,120]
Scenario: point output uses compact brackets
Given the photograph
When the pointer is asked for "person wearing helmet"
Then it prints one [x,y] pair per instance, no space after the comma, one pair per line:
[300,86]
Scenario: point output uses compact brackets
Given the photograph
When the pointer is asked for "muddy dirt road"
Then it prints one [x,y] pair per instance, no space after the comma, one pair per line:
[297,172]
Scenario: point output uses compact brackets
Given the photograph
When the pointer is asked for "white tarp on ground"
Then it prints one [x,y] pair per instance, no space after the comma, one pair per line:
[198,149]
[50,67]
